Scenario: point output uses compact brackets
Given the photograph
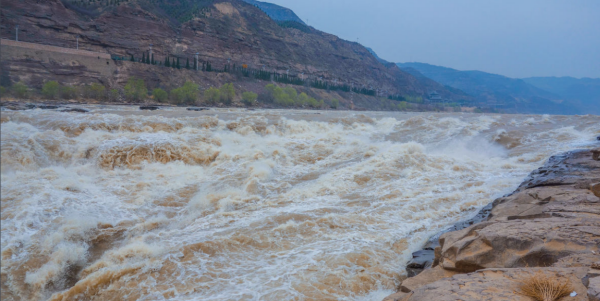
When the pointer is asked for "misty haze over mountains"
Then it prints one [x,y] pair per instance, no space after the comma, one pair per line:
[559,95]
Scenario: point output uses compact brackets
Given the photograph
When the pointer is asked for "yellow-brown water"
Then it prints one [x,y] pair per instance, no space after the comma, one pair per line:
[119,204]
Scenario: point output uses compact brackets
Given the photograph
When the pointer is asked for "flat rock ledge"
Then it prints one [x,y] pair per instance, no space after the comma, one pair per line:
[549,225]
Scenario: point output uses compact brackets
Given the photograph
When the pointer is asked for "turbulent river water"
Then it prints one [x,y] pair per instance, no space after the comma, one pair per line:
[119,204]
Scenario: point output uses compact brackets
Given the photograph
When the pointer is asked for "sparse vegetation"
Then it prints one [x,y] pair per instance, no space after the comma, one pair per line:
[51,89]
[225,94]
[542,287]
[335,103]
[2,91]
[96,91]
[135,89]
[186,94]
[20,90]
[160,95]
[68,92]
[288,97]
[249,98]
[113,95]
[212,95]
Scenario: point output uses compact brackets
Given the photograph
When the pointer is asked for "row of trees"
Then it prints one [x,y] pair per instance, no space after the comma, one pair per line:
[289,97]
[174,62]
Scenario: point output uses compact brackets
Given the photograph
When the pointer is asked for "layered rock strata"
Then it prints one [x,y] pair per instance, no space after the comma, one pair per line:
[549,226]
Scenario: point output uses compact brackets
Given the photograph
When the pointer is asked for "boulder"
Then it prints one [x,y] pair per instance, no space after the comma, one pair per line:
[399,296]
[496,285]
[537,242]
[594,289]
[553,215]
[596,154]
[574,167]
[426,277]
[422,259]
[197,109]
[77,110]
[151,108]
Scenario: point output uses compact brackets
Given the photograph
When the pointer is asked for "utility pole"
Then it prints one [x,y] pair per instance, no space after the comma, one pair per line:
[17,34]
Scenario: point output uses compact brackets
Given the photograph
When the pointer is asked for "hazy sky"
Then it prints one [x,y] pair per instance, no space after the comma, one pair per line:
[516,38]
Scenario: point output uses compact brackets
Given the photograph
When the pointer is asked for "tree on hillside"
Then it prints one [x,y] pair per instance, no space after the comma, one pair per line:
[173,64]
[159,94]
[187,64]
[143,57]
[153,62]
[135,89]
[167,63]
[249,98]
[132,58]
[178,66]
[227,93]
[50,89]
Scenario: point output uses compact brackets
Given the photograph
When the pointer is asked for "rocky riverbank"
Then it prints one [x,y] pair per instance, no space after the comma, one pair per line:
[548,227]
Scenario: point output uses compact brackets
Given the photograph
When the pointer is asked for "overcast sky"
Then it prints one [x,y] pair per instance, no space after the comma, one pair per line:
[516,38]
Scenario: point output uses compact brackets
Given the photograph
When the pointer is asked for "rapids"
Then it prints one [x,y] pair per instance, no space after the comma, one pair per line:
[119,204]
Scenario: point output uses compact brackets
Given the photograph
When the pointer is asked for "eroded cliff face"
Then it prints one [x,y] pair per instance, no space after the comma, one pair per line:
[227,31]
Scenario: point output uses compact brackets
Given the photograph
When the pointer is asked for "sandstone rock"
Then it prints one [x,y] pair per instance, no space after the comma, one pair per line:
[578,260]
[519,243]
[553,215]
[494,284]
[421,260]
[594,289]
[569,168]
[426,277]
[399,296]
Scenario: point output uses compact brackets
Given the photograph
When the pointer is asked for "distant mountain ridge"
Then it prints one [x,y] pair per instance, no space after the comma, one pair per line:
[582,92]
[276,12]
[508,94]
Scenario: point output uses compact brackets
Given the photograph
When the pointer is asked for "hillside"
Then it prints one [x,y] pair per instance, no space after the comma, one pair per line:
[584,93]
[511,95]
[224,33]
[276,12]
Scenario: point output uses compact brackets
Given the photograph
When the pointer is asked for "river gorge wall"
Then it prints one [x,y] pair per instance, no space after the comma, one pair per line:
[549,226]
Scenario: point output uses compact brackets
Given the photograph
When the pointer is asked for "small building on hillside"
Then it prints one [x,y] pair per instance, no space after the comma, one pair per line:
[434,96]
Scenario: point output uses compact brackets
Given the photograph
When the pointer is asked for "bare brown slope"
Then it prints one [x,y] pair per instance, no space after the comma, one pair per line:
[229,29]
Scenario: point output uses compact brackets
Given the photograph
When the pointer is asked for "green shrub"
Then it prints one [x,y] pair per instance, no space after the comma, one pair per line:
[227,93]
[97,91]
[335,103]
[289,97]
[68,92]
[249,98]
[20,89]
[414,99]
[135,89]
[160,95]
[2,91]
[51,89]
[212,95]
[113,95]
[186,94]
[403,105]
